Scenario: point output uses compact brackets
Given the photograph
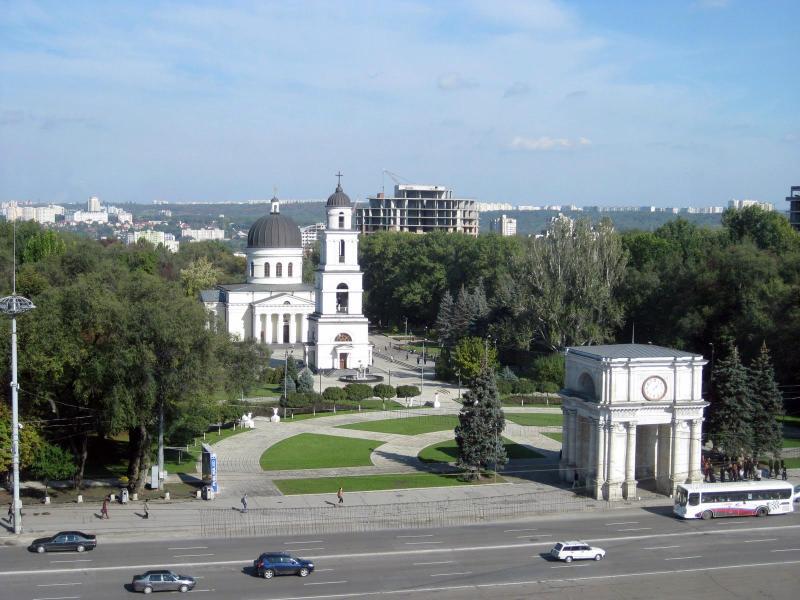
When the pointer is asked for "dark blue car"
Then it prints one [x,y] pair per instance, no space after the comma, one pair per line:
[270,564]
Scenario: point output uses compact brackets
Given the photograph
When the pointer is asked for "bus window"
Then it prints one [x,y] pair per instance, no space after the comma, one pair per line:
[694,499]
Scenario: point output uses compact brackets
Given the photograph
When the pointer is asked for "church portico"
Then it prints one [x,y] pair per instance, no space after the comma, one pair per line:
[632,416]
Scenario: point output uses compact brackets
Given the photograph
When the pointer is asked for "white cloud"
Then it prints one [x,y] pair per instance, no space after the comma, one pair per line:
[455,81]
[546,143]
[524,14]
[518,88]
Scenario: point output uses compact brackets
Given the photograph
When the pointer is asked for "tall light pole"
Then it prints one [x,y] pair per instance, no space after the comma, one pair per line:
[14,305]
[406,320]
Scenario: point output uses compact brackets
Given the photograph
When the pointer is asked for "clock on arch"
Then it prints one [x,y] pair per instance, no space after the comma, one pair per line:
[654,388]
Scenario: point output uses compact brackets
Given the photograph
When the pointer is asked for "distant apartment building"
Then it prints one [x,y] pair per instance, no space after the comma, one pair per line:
[93,204]
[85,216]
[705,210]
[309,233]
[12,211]
[493,206]
[203,235]
[154,237]
[505,226]
[419,209]
[740,204]
[794,206]
[122,216]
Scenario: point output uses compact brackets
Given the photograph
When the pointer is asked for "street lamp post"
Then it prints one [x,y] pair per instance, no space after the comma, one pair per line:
[14,305]
[286,377]
[459,383]
[406,320]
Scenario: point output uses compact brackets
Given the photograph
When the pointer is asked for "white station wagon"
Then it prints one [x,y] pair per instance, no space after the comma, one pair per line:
[569,551]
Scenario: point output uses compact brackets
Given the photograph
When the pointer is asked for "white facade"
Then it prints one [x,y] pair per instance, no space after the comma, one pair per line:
[203,235]
[82,216]
[505,226]
[633,415]
[93,204]
[339,331]
[310,233]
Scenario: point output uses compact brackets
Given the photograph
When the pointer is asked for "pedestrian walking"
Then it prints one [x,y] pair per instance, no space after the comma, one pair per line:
[340,495]
[146,509]
[244,503]
[575,480]
[783,473]
[104,509]
[10,512]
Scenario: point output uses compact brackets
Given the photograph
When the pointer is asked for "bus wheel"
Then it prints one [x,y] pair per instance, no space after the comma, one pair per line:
[762,512]
[707,514]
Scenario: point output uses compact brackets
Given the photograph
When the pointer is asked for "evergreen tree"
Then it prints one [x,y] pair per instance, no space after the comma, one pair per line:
[291,368]
[463,314]
[767,405]
[444,320]
[730,419]
[479,309]
[305,381]
[479,434]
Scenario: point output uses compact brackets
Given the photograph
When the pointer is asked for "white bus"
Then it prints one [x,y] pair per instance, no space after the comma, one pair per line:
[734,499]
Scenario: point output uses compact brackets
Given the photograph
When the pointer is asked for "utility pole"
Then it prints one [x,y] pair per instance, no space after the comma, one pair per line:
[14,305]
[160,446]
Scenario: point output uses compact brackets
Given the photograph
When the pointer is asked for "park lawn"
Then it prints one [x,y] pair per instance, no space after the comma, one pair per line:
[217,435]
[315,451]
[269,389]
[369,483]
[416,347]
[791,442]
[409,426]
[790,419]
[554,436]
[536,419]
[792,463]
[447,451]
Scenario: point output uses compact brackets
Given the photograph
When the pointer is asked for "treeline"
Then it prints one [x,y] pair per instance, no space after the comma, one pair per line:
[682,285]
[117,337]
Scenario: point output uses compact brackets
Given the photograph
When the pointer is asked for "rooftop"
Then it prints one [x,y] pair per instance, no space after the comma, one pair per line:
[617,351]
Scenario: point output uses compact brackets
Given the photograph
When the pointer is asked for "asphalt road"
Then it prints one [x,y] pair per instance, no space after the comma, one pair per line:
[650,555]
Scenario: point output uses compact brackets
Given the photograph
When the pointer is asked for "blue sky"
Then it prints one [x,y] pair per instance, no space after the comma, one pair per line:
[685,102]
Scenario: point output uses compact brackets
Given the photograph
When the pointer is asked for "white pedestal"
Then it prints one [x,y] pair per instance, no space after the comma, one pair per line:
[275,418]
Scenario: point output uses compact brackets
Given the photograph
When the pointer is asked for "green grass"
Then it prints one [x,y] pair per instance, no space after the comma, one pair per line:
[367,483]
[430,349]
[409,426]
[212,437]
[554,436]
[367,405]
[188,461]
[536,419]
[792,463]
[314,451]
[790,419]
[107,458]
[269,389]
[791,442]
[447,451]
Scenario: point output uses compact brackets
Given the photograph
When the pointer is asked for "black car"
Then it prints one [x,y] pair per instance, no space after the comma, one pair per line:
[65,541]
[162,581]
[270,564]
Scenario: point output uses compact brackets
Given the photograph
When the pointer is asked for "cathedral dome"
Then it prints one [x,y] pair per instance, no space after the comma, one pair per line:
[339,198]
[274,231]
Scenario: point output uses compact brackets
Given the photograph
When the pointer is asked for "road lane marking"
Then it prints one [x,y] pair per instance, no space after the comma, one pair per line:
[409,552]
[451,574]
[59,598]
[306,549]
[421,543]
[786,550]
[450,588]
[72,561]
[321,570]
[190,548]
[325,582]
[569,566]
[436,562]
[306,542]
[518,530]
[623,523]
[415,536]
[189,555]
[764,540]
[56,584]
[684,557]
[660,547]
[635,529]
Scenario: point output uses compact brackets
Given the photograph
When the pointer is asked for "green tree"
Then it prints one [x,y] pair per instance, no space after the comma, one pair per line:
[407,391]
[334,395]
[199,275]
[29,441]
[356,392]
[549,369]
[44,244]
[767,406]
[305,381]
[444,320]
[52,463]
[565,284]
[470,354]
[731,410]
[768,230]
[384,392]
[479,433]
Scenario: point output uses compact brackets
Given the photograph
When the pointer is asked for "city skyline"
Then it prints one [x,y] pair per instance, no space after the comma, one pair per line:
[689,103]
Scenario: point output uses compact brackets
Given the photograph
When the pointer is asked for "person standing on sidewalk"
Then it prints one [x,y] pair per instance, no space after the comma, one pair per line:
[10,513]
[340,496]
[146,509]
[104,509]
[244,503]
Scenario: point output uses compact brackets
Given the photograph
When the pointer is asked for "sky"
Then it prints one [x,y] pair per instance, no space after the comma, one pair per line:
[594,102]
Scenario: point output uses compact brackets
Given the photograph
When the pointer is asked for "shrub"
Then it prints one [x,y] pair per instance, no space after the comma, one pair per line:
[407,391]
[548,387]
[550,369]
[523,386]
[303,400]
[504,386]
[506,374]
[334,395]
[357,391]
[305,381]
[384,391]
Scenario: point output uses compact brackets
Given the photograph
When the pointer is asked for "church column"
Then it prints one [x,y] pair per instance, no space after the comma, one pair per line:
[256,317]
[629,488]
[291,328]
[564,462]
[695,451]
[573,440]
[268,328]
[613,489]
[304,327]
[599,446]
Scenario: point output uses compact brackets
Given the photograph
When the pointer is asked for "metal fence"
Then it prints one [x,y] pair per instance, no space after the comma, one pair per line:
[358,518]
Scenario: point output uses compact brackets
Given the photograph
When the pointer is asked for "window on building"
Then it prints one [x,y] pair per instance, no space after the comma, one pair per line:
[341,220]
[341,251]
[289,270]
[343,337]
[279,270]
[342,298]
[266,269]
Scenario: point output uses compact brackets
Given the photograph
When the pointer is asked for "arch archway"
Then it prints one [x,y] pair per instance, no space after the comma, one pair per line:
[342,298]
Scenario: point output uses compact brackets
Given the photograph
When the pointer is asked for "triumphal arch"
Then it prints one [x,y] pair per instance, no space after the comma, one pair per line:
[633,415]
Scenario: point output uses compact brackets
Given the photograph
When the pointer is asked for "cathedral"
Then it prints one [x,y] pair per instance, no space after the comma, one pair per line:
[274,306]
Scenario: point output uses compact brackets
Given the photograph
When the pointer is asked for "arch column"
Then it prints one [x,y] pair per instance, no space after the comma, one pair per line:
[268,328]
[613,489]
[597,456]
[563,463]
[695,450]
[629,487]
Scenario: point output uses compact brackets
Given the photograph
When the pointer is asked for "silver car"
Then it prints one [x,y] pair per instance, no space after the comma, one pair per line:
[162,581]
[569,551]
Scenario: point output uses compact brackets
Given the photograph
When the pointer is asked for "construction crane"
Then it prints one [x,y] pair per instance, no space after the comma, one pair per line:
[395,177]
